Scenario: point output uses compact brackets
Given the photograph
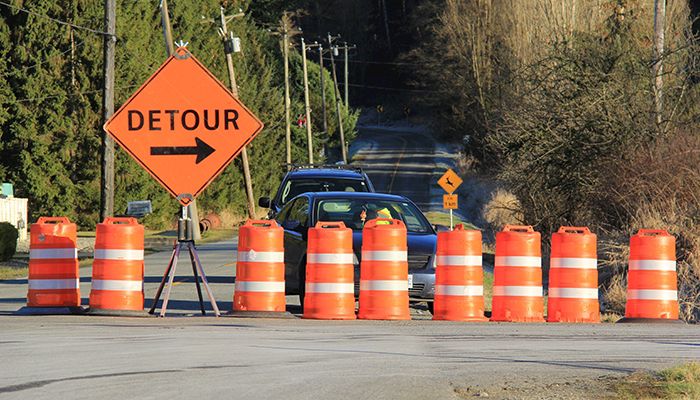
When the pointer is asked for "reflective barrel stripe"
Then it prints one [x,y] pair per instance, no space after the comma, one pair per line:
[261,256]
[329,258]
[119,254]
[117,285]
[459,290]
[384,255]
[572,262]
[573,293]
[384,285]
[53,284]
[524,291]
[653,265]
[518,261]
[459,260]
[316,287]
[259,286]
[47,254]
[652,294]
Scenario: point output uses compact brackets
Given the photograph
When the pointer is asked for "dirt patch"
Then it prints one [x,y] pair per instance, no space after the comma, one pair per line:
[539,389]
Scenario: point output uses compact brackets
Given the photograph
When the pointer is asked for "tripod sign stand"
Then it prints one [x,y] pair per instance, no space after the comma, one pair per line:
[184,240]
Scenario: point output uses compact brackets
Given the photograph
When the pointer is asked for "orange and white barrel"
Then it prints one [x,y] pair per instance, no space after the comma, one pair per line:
[118,269]
[384,271]
[260,268]
[459,277]
[517,281]
[652,290]
[53,264]
[330,290]
[573,276]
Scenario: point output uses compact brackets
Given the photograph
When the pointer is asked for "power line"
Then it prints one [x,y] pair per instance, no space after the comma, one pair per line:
[383,62]
[27,68]
[58,21]
[27,100]
[392,89]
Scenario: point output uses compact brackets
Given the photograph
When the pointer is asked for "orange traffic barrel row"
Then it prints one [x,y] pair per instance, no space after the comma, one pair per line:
[384,271]
[329,288]
[118,268]
[517,286]
[260,268]
[459,277]
[573,276]
[53,264]
[652,291]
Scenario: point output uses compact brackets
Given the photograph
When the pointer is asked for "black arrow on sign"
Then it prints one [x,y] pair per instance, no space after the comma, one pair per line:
[200,149]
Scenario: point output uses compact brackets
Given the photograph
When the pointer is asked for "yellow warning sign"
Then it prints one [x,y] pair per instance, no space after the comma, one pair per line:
[449,201]
[450,181]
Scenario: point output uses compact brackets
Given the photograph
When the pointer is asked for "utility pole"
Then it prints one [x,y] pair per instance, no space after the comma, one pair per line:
[284,26]
[337,98]
[167,30]
[345,76]
[234,90]
[107,178]
[323,89]
[307,105]
[658,68]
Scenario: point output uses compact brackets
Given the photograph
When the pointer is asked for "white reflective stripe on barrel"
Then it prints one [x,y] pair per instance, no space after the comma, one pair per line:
[573,293]
[259,286]
[459,260]
[572,262]
[261,256]
[459,290]
[329,258]
[119,254]
[385,255]
[653,265]
[316,287]
[651,294]
[47,254]
[53,284]
[125,286]
[518,261]
[524,291]
[388,285]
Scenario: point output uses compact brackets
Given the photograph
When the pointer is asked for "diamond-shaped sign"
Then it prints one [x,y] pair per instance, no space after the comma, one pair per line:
[450,181]
[183,126]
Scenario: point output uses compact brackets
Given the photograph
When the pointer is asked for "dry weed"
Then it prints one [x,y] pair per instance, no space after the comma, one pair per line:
[503,208]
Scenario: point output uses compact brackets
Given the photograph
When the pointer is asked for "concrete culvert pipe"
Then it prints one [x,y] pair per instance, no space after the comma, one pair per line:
[204,225]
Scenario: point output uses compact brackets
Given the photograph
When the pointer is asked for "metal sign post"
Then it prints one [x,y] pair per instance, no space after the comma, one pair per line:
[184,240]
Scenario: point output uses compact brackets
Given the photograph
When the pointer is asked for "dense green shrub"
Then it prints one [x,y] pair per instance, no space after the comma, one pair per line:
[8,241]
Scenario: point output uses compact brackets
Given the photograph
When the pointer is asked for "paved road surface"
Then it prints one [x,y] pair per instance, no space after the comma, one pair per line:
[91,357]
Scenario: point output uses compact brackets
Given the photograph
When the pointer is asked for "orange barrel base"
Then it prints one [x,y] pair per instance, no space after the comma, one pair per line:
[652,287]
[260,268]
[384,271]
[329,286]
[459,277]
[587,311]
[118,268]
[573,277]
[53,264]
[517,281]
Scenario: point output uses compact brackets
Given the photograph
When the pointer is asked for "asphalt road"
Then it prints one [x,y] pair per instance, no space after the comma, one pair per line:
[190,356]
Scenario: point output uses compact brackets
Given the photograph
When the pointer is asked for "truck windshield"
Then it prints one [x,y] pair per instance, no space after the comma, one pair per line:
[295,187]
[355,213]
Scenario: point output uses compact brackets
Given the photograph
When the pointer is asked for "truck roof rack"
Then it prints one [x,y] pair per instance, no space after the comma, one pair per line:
[297,167]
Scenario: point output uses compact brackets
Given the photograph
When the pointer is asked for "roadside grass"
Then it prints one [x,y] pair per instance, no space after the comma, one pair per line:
[680,382]
[9,271]
[443,218]
[488,290]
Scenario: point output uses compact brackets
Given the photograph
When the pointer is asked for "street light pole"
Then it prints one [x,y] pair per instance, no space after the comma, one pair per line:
[307,105]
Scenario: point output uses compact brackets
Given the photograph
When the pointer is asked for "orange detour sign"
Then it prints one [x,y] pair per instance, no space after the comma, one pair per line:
[183,126]
[449,201]
[449,181]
